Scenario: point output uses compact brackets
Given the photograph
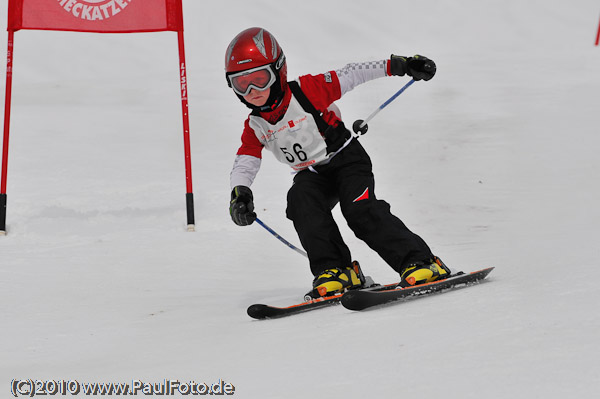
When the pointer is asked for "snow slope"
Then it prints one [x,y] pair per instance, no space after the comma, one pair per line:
[494,162]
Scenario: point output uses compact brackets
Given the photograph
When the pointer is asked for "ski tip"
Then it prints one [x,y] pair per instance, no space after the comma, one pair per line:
[257,311]
[485,271]
[352,300]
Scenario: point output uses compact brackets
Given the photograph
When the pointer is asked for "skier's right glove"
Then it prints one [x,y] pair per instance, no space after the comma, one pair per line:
[418,66]
[241,207]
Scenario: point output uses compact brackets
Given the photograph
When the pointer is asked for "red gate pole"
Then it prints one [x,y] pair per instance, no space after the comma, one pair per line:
[598,35]
[189,196]
[7,102]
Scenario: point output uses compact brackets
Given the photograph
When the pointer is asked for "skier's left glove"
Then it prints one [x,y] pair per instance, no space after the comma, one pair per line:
[241,207]
[418,66]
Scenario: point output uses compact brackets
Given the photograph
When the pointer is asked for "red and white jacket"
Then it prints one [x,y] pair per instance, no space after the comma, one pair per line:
[290,132]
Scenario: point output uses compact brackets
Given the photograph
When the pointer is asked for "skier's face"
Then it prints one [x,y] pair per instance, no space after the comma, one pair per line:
[258,98]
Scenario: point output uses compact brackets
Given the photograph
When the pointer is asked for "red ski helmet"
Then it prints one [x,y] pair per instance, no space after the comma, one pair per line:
[254,59]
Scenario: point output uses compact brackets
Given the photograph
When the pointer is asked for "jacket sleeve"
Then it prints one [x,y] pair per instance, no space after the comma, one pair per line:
[355,74]
[245,168]
[322,90]
[248,159]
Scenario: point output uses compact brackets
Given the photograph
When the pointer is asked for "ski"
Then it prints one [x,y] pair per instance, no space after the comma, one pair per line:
[364,298]
[361,299]
[260,311]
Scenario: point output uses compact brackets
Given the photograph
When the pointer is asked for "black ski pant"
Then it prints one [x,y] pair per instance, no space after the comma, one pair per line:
[348,179]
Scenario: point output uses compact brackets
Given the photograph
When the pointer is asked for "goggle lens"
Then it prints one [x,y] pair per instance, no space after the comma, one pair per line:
[260,79]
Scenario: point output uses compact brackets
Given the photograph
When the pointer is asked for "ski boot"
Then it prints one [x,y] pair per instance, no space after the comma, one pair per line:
[336,281]
[424,272]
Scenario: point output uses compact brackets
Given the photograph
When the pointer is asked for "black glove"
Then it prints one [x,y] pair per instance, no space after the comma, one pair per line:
[241,207]
[418,67]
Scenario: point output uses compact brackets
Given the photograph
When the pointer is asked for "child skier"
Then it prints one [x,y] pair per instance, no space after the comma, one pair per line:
[298,122]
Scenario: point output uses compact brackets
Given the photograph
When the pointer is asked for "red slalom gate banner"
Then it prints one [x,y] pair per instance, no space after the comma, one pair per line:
[100,16]
[105,16]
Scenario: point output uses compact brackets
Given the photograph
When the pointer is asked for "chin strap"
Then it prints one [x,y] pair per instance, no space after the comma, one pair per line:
[273,106]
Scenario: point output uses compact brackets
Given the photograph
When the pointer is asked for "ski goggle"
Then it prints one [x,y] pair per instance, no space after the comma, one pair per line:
[260,78]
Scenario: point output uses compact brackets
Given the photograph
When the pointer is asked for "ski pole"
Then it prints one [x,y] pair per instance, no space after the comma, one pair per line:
[361,125]
[280,238]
